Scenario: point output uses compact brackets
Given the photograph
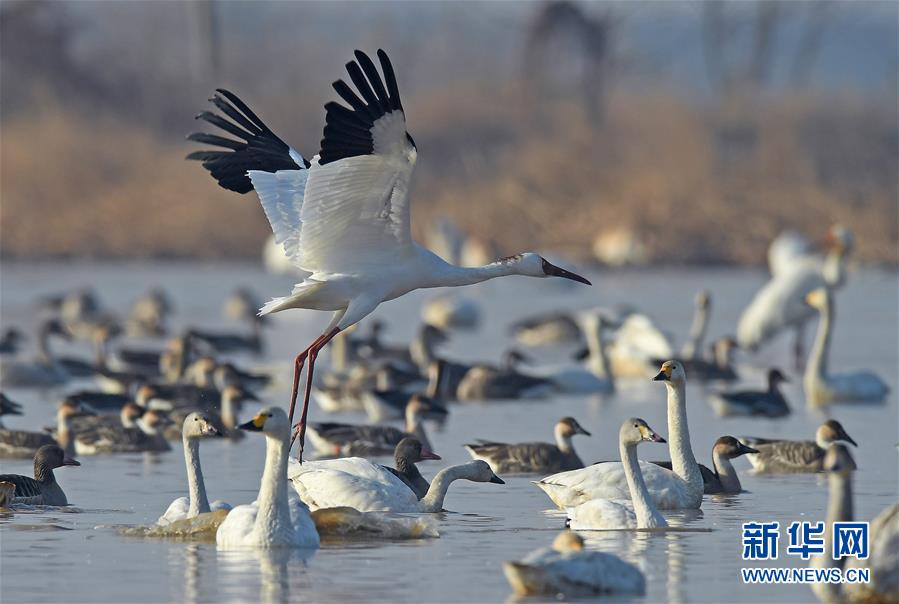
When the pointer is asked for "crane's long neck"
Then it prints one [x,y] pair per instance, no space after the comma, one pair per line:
[697,333]
[648,515]
[727,474]
[816,369]
[453,275]
[199,504]
[273,517]
[433,499]
[682,460]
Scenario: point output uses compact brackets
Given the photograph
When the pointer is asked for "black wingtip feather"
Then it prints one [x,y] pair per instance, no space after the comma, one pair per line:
[258,149]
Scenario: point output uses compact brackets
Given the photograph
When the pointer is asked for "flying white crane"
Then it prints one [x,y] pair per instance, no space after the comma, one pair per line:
[344,217]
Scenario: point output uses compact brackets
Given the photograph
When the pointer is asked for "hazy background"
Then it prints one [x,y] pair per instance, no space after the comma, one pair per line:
[699,130]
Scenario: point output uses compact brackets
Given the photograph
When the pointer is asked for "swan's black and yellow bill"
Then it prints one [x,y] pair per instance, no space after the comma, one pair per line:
[255,424]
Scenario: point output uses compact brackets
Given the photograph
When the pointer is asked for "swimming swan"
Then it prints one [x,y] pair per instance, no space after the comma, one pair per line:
[640,512]
[274,519]
[678,489]
[196,426]
[357,483]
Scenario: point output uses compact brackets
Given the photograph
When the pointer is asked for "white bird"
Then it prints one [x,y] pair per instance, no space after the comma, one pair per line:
[275,519]
[788,249]
[680,488]
[639,512]
[780,303]
[196,426]
[344,218]
[568,570]
[636,347]
[360,484]
[822,387]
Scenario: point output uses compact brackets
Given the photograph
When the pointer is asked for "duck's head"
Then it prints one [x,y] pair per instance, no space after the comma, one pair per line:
[568,541]
[410,451]
[671,372]
[635,430]
[830,432]
[838,460]
[530,264]
[568,426]
[197,425]
[271,421]
[730,448]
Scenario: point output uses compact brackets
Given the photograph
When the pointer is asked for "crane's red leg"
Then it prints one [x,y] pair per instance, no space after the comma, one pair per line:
[300,429]
[297,369]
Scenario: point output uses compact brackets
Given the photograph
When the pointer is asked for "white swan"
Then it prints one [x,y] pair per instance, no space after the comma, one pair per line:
[569,570]
[597,376]
[780,303]
[636,345]
[883,550]
[681,488]
[639,512]
[274,519]
[822,387]
[787,249]
[357,483]
[196,426]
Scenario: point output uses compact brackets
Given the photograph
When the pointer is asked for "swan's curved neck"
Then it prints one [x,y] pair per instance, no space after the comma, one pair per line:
[727,474]
[415,427]
[563,439]
[839,509]
[273,517]
[598,360]
[816,369]
[682,460]
[433,499]
[648,515]
[697,333]
[199,504]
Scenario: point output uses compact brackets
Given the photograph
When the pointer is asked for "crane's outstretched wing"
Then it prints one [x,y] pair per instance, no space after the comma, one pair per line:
[356,207]
[260,160]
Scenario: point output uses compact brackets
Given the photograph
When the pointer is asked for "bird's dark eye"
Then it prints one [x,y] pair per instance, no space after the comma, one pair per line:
[636,426]
[196,419]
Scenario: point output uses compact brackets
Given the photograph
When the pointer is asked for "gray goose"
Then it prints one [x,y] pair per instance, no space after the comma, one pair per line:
[724,478]
[146,436]
[43,488]
[408,452]
[24,443]
[795,456]
[535,457]
[334,438]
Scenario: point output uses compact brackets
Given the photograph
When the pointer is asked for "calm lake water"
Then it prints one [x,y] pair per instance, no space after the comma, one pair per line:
[73,555]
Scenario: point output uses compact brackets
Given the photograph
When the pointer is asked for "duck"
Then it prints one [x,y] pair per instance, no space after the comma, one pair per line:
[567,569]
[597,377]
[42,372]
[795,456]
[822,387]
[224,415]
[8,407]
[278,518]
[639,512]
[780,303]
[334,438]
[680,488]
[535,457]
[146,436]
[43,488]
[358,483]
[196,426]
[882,585]
[723,479]
[23,443]
[409,452]
[753,403]
[10,340]
[692,347]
